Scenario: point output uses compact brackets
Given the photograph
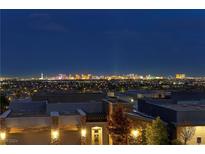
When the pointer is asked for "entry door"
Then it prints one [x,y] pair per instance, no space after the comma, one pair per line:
[96,135]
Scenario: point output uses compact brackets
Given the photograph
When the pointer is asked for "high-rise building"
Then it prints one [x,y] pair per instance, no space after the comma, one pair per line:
[41,78]
[180,76]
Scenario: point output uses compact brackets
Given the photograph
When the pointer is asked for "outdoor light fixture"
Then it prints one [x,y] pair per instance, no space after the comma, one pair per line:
[135,132]
[55,134]
[83,132]
[132,100]
[2,135]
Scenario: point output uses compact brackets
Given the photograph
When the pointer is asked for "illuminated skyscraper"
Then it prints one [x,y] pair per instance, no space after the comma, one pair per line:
[180,76]
[41,78]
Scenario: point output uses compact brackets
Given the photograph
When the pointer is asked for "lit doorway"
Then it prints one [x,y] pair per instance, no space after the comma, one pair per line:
[97,135]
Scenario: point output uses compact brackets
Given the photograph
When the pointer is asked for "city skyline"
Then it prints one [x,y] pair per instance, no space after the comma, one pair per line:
[157,42]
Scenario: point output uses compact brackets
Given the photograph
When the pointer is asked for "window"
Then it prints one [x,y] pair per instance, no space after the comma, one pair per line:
[198,140]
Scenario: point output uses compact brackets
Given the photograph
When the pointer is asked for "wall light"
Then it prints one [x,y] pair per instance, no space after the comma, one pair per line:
[2,135]
[83,132]
[135,132]
[132,100]
[54,134]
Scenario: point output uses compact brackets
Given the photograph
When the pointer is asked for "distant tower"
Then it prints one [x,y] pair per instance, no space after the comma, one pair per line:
[41,76]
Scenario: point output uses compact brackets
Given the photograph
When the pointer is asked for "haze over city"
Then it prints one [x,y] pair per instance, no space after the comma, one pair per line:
[158,42]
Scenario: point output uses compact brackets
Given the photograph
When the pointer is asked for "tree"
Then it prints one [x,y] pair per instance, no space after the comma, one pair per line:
[176,142]
[119,126]
[4,103]
[143,136]
[186,133]
[139,138]
[156,133]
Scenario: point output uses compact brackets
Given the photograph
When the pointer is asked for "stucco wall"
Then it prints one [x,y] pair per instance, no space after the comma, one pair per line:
[43,138]
[199,132]
[29,138]
[69,121]
[27,122]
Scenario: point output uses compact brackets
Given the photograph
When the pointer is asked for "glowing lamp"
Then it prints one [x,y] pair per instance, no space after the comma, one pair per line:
[2,135]
[54,134]
[83,132]
[135,132]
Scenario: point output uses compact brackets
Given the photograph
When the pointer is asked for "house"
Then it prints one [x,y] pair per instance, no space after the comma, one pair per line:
[178,112]
[70,120]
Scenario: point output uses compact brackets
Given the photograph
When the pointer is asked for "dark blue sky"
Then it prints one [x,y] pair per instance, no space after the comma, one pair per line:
[158,42]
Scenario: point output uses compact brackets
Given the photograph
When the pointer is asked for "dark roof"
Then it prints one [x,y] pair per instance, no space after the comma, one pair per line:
[192,123]
[188,95]
[173,104]
[28,114]
[69,97]
[184,107]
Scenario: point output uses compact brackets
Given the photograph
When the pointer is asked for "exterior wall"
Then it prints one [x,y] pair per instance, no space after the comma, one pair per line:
[70,137]
[37,130]
[27,122]
[105,136]
[29,138]
[66,137]
[70,122]
[199,132]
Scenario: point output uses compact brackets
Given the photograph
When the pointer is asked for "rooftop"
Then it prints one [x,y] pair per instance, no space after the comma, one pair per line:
[173,105]
[69,97]
[188,95]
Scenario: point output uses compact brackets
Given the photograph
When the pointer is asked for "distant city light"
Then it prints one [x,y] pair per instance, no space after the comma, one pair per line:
[180,76]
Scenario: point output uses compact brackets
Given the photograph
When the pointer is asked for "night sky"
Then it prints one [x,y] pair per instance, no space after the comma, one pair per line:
[157,42]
